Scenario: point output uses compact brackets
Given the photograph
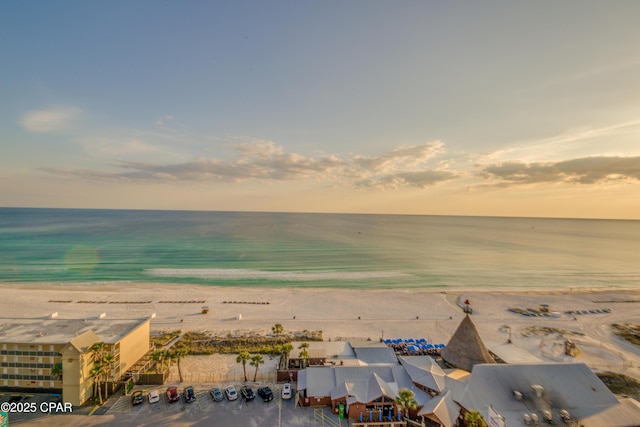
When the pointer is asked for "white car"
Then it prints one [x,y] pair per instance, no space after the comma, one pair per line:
[154,396]
[286,391]
[231,392]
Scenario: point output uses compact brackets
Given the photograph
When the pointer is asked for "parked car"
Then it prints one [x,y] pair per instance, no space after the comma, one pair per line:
[231,392]
[189,394]
[265,393]
[172,394]
[216,394]
[247,393]
[153,396]
[137,398]
[286,391]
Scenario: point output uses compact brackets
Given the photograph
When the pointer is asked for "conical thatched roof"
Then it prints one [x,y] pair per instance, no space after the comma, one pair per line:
[465,348]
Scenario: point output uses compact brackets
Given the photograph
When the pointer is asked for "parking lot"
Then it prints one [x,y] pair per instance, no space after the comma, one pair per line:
[205,411]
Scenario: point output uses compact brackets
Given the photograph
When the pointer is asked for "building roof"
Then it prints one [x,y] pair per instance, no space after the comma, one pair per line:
[84,341]
[330,350]
[569,386]
[374,353]
[466,349]
[424,371]
[627,414]
[62,331]
[363,383]
[442,409]
[511,353]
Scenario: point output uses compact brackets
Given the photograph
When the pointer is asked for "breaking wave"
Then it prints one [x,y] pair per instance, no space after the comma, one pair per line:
[297,276]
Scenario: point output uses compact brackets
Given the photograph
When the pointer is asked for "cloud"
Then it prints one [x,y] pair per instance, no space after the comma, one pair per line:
[263,160]
[587,170]
[407,157]
[570,144]
[53,120]
[422,179]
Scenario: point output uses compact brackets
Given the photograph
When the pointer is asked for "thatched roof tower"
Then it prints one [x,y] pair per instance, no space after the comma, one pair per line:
[465,348]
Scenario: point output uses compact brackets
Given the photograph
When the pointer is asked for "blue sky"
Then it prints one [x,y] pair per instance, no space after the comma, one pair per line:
[494,108]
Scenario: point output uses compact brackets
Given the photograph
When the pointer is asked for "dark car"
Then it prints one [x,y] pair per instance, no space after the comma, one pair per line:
[247,393]
[265,393]
[172,394]
[137,398]
[189,394]
[216,394]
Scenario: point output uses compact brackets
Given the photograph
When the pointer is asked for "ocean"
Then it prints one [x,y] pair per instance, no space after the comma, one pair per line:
[315,250]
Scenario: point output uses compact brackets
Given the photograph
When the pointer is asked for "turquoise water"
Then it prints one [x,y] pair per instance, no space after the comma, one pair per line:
[315,250]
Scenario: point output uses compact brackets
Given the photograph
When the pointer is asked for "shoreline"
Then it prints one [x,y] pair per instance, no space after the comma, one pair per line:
[117,285]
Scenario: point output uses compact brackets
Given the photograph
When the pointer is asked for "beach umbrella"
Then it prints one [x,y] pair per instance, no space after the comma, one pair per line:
[429,346]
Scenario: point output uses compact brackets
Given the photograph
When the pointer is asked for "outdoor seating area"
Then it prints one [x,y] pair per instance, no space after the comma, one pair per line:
[414,347]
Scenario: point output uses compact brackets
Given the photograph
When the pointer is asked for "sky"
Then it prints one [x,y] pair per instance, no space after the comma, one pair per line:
[495,108]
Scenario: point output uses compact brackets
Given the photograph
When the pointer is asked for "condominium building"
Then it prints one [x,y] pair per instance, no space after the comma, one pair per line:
[53,354]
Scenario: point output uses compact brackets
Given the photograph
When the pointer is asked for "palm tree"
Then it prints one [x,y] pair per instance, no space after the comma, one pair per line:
[284,356]
[256,361]
[98,351]
[56,371]
[406,400]
[304,354]
[96,373]
[474,419]
[158,358]
[243,357]
[277,330]
[107,363]
[176,355]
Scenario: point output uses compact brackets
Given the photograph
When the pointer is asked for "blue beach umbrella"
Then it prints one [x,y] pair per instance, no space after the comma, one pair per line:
[389,414]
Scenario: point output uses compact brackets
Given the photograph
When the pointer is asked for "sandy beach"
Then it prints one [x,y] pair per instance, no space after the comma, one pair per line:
[351,314]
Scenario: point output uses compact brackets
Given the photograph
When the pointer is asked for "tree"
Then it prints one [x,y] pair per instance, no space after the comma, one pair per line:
[304,354]
[97,372]
[287,348]
[474,419]
[406,400]
[98,350]
[107,363]
[56,371]
[177,355]
[256,361]
[243,357]
[277,330]
[158,358]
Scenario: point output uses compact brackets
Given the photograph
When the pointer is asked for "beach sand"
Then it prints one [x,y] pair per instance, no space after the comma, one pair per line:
[348,314]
